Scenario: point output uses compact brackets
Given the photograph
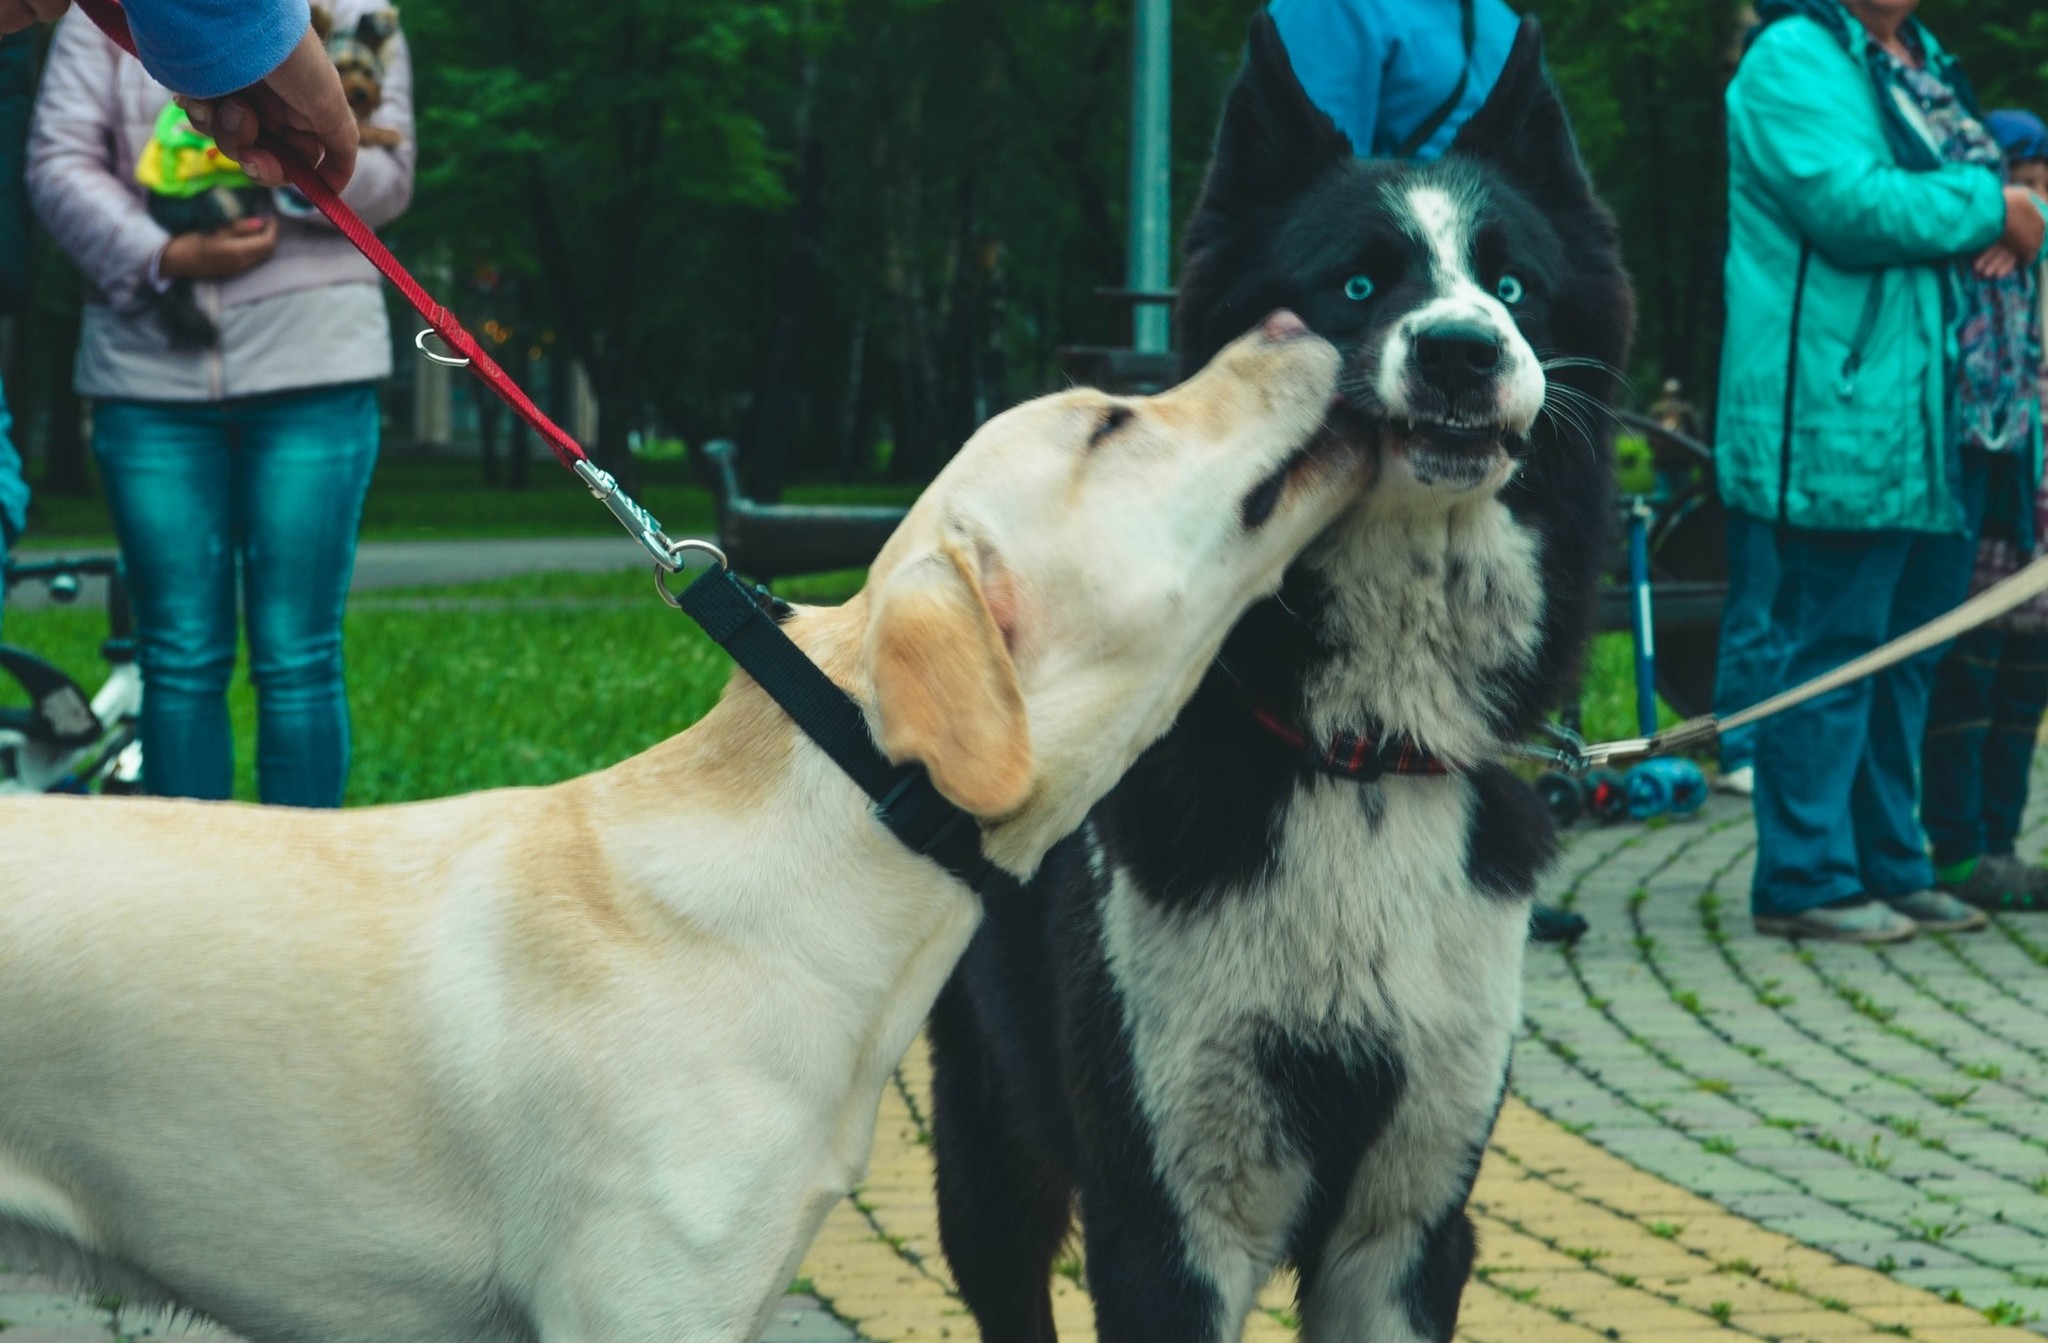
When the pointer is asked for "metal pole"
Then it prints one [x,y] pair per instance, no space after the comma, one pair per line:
[1643,627]
[1151,185]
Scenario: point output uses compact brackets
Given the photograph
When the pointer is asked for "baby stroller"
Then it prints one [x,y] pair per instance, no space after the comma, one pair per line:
[64,740]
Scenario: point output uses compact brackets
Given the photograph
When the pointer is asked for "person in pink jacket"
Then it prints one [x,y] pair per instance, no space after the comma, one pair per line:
[235,469]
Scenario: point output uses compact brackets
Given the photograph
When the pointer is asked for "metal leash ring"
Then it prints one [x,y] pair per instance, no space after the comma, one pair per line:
[419,343]
[676,552]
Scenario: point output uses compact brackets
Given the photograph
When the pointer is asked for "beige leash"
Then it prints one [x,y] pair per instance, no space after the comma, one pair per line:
[1696,734]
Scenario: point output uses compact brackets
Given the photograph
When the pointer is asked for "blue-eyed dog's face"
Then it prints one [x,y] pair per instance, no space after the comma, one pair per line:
[1437,294]
[1444,285]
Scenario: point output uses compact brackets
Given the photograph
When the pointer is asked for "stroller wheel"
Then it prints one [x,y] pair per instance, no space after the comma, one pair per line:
[1561,798]
[1672,786]
[1606,795]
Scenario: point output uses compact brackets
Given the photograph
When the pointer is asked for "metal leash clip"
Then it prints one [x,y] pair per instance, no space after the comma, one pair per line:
[638,522]
[676,552]
[1601,755]
[1568,755]
[1687,738]
[419,343]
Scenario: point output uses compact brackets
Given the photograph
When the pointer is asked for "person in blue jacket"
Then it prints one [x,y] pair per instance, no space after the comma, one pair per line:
[244,67]
[1399,77]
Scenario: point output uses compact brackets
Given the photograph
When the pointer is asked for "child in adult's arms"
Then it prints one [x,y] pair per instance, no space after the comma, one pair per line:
[1991,689]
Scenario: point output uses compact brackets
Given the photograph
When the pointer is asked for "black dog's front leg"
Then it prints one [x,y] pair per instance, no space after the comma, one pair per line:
[1148,1284]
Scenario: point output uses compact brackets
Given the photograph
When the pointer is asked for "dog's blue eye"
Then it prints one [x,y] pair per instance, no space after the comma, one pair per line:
[1509,289]
[1358,288]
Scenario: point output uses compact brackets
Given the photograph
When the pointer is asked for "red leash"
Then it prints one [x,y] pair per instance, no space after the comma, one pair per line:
[113,21]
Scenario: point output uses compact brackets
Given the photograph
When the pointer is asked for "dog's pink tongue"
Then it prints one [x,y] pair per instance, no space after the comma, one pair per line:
[1283,325]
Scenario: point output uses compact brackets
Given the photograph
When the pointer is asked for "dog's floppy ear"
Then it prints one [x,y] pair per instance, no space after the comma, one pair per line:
[946,692]
[1522,129]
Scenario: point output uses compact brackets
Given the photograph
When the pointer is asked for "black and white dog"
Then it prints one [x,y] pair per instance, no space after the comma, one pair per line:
[1259,1010]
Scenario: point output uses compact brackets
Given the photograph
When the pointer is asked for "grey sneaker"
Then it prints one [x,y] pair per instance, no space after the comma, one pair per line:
[2002,882]
[1858,920]
[1939,912]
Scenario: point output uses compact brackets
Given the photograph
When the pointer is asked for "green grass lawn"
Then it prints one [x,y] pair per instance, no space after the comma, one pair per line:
[415,498]
[534,679]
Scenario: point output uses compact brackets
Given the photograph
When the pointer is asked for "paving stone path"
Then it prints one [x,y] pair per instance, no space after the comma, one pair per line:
[1888,1106]
[1576,1246]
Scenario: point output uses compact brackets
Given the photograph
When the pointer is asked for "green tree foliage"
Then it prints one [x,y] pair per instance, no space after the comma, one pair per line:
[581,147]
[2004,45]
[838,231]
[1644,83]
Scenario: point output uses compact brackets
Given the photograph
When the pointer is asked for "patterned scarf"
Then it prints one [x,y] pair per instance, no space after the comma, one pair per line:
[1998,328]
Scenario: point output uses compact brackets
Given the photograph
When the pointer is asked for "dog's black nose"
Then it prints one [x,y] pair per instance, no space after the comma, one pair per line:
[1456,357]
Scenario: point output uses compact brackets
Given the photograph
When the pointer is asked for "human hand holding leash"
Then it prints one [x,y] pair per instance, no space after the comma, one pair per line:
[300,104]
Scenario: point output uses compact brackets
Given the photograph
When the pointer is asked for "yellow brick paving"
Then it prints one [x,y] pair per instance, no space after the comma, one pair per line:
[1576,1246]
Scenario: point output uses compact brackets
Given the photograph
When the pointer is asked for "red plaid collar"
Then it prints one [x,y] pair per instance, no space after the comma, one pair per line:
[1355,756]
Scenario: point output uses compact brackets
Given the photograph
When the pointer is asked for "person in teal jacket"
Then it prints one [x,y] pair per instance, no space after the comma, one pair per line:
[1864,198]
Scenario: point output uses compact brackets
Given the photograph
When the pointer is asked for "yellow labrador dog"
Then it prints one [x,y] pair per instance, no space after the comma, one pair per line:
[589,1063]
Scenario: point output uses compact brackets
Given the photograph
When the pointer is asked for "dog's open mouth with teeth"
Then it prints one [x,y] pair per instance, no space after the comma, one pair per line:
[1450,455]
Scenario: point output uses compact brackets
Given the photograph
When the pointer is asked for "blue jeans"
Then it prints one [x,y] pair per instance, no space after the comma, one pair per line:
[1990,693]
[1837,777]
[1746,670]
[273,485]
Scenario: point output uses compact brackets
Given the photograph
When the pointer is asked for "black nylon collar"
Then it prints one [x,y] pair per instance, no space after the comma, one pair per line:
[740,621]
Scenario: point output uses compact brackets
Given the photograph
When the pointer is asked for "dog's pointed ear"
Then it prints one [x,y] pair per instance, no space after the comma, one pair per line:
[1271,144]
[946,692]
[1523,131]
[1272,141]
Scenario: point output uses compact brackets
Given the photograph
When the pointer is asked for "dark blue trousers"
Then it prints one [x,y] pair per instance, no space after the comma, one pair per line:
[1837,778]
[1747,668]
[1989,696]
